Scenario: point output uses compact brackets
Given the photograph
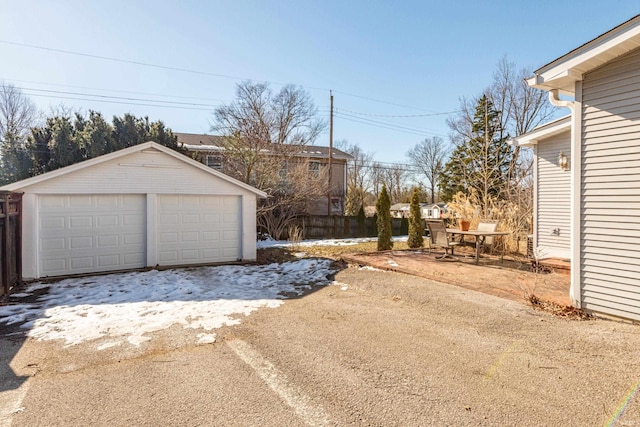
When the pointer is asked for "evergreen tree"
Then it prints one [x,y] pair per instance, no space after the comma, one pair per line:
[63,141]
[383,208]
[14,159]
[481,162]
[415,222]
[362,222]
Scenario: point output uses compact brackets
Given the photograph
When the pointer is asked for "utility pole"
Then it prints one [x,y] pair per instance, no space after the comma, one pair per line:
[330,154]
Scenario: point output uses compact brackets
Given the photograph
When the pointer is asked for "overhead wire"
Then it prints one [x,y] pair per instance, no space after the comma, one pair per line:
[113,90]
[399,115]
[198,72]
[119,102]
[391,126]
[114,97]
[343,114]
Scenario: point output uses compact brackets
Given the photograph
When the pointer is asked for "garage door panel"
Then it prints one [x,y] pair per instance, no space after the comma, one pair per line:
[81,263]
[77,236]
[81,202]
[194,229]
[53,223]
[108,260]
[210,236]
[107,241]
[85,242]
[80,222]
[134,240]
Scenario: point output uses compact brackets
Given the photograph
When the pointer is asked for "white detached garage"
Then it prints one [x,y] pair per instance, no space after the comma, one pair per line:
[143,206]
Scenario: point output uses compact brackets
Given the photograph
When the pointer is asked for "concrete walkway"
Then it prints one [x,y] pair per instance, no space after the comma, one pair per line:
[509,279]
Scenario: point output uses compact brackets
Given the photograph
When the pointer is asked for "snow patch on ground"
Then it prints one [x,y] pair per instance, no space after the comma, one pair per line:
[270,243]
[129,306]
[368,267]
[343,286]
[206,338]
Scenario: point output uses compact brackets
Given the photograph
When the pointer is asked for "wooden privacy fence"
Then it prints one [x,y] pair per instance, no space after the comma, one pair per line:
[340,227]
[10,240]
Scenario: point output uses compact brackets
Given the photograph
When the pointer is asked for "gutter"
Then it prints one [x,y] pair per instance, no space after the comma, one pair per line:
[554,99]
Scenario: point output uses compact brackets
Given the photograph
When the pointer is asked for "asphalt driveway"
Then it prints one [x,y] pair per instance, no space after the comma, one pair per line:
[371,348]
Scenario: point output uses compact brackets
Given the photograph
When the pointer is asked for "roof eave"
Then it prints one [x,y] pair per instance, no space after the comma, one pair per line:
[542,132]
[562,73]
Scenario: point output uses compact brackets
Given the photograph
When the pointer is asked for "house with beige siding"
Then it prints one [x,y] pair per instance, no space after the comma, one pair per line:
[551,143]
[599,83]
[209,150]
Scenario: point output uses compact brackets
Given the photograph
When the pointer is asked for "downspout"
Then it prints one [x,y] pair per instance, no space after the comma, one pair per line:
[554,99]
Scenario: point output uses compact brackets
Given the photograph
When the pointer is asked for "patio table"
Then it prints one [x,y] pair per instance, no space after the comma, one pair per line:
[478,234]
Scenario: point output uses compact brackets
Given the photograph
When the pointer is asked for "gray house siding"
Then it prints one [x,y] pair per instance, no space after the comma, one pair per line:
[610,188]
[553,198]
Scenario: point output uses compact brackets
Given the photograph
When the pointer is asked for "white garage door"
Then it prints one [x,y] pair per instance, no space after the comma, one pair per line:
[91,233]
[194,229]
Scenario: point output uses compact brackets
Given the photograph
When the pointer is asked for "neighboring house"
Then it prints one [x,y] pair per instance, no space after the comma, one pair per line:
[600,84]
[433,210]
[399,210]
[402,210]
[209,149]
[142,206]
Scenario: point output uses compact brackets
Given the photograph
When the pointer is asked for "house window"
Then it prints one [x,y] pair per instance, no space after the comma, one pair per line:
[284,170]
[314,167]
[214,162]
[336,205]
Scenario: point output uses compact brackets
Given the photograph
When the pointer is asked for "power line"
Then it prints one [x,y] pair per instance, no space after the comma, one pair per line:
[114,97]
[187,70]
[112,90]
[387,125]
[379,126]
[398,115]
[118,102]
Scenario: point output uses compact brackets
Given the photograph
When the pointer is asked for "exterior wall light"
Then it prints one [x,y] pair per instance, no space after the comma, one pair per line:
[563,161]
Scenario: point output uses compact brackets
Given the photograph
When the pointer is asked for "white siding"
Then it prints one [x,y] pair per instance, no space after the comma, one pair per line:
[610,203]
[553,198]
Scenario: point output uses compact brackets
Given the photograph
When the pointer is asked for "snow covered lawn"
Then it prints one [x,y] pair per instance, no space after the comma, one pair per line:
[128,306]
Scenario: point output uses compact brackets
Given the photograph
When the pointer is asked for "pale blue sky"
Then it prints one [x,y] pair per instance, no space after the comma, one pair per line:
[418,57]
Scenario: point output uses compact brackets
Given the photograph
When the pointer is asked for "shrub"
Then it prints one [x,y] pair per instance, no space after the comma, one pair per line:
[383,208]
[362,222]
[415,222]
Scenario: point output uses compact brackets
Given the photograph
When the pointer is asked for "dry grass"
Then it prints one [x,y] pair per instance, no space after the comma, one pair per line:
[337,251]
[268,255]
[557,309]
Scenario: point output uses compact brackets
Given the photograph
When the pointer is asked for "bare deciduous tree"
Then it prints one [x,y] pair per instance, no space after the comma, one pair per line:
[428,157]
[17,115]
[397,180]
[358,171]
[264,138]
[522,108]
[17,112]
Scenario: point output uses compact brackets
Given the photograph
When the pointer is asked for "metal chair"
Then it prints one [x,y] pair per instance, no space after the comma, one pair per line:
[439,238]
[487,225]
